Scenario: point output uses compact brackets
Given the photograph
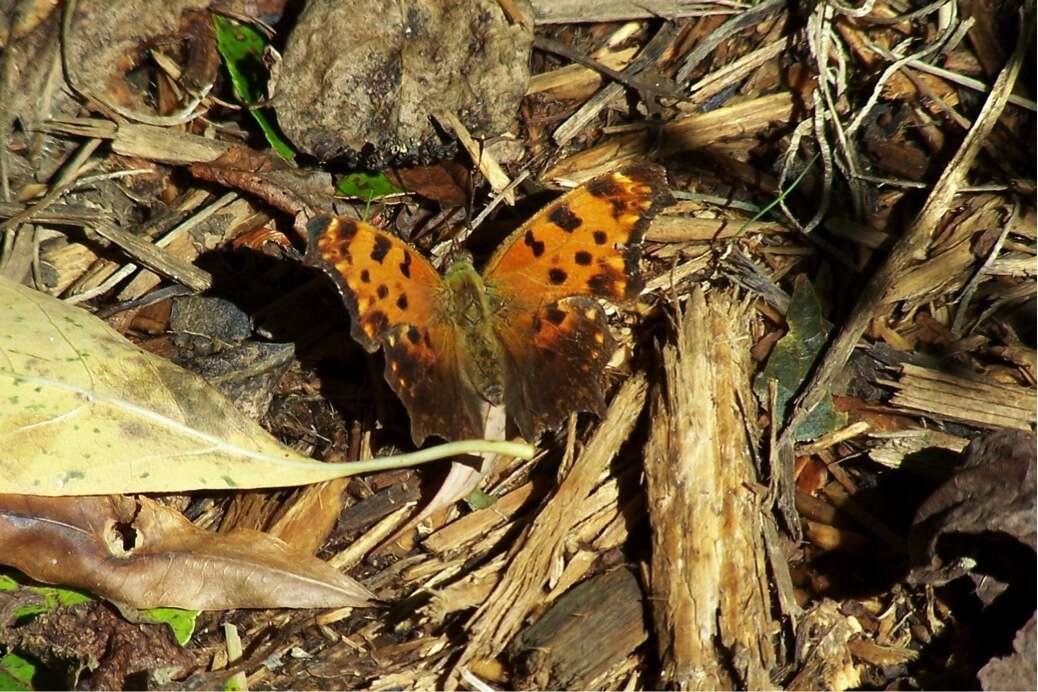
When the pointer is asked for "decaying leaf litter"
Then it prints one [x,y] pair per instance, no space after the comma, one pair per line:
[817,464]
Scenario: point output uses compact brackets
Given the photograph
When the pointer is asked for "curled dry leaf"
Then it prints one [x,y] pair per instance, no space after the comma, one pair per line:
[145,555]
[991,494]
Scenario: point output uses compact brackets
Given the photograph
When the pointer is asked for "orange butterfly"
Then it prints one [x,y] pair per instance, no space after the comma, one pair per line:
[527,333]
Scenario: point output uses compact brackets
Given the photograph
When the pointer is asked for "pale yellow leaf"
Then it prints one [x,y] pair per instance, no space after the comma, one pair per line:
[85,412]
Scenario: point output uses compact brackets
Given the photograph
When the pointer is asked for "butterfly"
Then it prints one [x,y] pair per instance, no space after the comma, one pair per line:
[528,332]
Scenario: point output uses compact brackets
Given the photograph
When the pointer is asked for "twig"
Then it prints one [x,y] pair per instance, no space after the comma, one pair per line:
[60,187]
[734,25]
[550,45]
[974,281]
[648,56]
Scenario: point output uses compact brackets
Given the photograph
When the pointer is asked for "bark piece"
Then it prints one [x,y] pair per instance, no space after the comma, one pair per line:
[599,622]
[709,585]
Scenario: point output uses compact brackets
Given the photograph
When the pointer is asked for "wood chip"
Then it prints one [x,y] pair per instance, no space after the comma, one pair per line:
[709,597]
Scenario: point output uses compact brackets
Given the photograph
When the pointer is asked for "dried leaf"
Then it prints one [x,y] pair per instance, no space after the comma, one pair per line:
[145,555]
[446,183]
[84,412]
[1015,671]
[792,359]
[991,494]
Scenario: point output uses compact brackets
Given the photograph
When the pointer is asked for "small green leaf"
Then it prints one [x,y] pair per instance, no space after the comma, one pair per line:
[366,186]
[274,138]
[181,621]
[235,683]
[792,359]
[16,673]
[7,584]
[478,499]
[242,47]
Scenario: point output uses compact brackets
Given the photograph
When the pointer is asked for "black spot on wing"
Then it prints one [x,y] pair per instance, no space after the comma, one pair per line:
[414,335]
[600,237]
[347,229]
[605,281]
[536,246]
[401,302]
[554,315]
[365,276]
[556,276]
[382,291]
[563,217]
[380,249]
[583,258]
[405,265]
[619,206]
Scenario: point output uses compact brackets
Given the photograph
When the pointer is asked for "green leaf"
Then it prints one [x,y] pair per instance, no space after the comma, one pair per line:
[53,597]
[235,683]
[792,359]
[16,673]
[478,499]
[181,621]
[366,186]
[242,47]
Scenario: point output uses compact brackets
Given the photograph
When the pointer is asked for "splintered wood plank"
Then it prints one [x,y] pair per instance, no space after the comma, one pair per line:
[571,11]
[973,400]
[710,598]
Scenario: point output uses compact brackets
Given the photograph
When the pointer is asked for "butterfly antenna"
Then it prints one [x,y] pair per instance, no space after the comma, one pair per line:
[367,206]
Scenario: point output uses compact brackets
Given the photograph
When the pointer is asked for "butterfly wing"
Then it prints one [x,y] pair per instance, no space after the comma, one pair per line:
[422,368]
[542,285]
[394,296]
[584,243]
[554,357]
[383,281]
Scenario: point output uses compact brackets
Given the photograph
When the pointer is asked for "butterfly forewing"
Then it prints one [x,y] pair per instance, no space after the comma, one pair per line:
[395,299]
[383,280]
[584,243]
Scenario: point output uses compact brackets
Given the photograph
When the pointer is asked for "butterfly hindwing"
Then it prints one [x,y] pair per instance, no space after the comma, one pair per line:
[422,368]
[384,281]
[554,357]
[584,243]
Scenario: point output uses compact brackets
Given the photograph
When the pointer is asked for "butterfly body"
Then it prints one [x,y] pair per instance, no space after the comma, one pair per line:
[528,332]
[468,306]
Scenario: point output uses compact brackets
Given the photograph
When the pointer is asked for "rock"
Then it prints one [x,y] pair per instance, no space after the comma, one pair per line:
[363,80]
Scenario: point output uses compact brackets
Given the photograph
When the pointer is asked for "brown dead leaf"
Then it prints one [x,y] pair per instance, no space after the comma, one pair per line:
[446,183]
[268,177]
[143,554]
[993,493]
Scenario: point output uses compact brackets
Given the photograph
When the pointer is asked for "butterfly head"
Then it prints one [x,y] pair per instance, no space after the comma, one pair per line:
[460,261]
